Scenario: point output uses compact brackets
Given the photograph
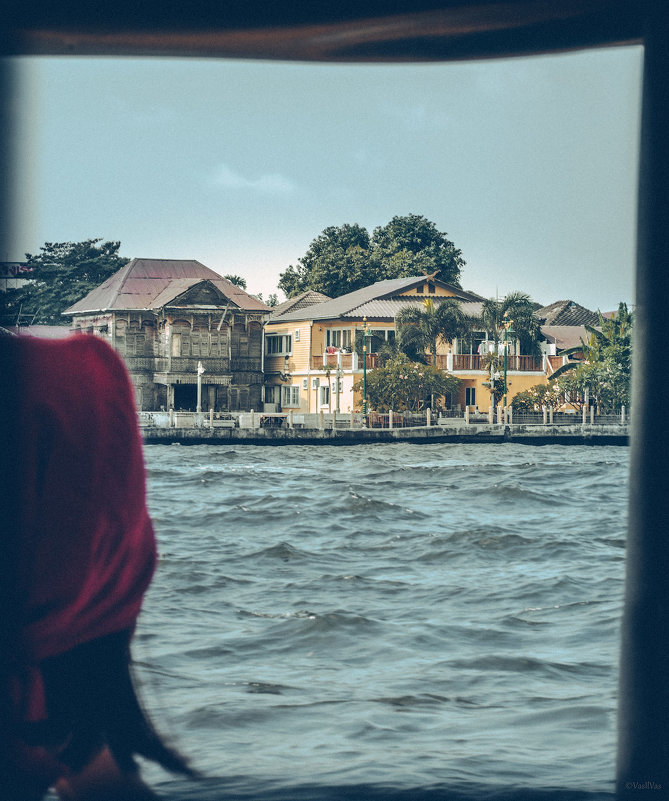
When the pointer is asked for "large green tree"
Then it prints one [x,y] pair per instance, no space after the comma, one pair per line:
[61,274]
[337,262]
[421,328]
[413,245]
[345,258]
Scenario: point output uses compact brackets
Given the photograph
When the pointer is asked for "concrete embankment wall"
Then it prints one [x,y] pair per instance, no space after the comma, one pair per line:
[521,434]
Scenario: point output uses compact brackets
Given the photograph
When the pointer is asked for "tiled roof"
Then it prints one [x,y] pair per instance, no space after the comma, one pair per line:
[152,283]
[349,305]
[566,312]
[565,336]
[301,301]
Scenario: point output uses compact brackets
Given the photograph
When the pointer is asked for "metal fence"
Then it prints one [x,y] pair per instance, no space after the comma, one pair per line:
[352,420]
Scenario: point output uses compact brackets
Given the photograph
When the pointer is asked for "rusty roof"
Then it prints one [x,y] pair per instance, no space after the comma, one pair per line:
[152,283]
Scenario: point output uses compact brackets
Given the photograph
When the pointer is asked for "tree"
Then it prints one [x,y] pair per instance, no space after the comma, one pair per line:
[606,369]
[517,310]
[272,299]
[237,280]
[412,245]
[63,273]
[345,258]
[538,396]
[421,329]
[337,262]
[403,385]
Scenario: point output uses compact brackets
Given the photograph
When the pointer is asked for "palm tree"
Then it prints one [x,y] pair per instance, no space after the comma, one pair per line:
[421,329]
[516,308]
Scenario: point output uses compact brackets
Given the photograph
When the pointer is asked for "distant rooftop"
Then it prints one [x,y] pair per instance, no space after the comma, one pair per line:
[301,301]
[566,312]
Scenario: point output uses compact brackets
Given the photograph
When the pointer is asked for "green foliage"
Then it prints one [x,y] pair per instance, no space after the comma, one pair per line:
[517,309]
[412,245]
[237,280]
[493,364]
[337,262]
[63,273]
[606,369]
[343,259]
[536,397]
[272,299]
[421,329]
[403,385]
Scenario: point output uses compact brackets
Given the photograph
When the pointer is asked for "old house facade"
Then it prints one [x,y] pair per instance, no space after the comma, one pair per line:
[169,317]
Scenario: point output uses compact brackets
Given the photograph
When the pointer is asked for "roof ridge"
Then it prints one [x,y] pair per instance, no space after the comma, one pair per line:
[125,267]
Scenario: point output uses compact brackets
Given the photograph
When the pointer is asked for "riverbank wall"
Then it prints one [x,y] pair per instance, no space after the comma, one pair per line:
[520,434]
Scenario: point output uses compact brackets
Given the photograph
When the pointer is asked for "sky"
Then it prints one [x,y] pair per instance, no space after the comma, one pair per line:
[528,165]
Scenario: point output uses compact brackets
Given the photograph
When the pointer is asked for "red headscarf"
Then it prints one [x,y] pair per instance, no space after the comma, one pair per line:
[86,544]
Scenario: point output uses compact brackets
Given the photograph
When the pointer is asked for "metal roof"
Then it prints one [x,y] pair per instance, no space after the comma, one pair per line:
[153,283]
[565,336]
[350,304]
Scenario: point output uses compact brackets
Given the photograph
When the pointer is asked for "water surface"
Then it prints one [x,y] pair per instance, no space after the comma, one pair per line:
[420,621]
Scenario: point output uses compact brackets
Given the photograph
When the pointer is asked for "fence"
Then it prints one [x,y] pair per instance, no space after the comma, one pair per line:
[352,420]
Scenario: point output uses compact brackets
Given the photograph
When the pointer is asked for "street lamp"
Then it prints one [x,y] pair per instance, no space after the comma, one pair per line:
[507,329]
[365,335]
[200,370]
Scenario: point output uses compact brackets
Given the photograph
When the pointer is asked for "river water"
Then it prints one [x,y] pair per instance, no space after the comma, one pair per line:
[393,620]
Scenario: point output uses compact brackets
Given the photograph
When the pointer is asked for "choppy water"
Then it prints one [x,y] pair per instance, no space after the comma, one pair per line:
[385,618]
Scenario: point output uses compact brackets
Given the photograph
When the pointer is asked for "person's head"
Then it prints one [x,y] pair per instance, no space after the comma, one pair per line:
[79,554]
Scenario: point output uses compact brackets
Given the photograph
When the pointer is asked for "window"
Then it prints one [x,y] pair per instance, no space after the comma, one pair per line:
[176,345]
[324,395]
[470,396]
[278,345]
[272,394]
[338,338]
[290,396]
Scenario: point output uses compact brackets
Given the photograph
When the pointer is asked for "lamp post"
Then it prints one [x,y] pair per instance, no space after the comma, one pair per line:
[365,334]
[507,328]
[200,370]
[338,380]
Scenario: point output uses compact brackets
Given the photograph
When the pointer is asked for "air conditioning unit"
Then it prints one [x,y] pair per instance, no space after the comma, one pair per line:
[315,383]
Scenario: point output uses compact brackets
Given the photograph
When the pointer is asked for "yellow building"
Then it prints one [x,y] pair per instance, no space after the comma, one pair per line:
[311,362]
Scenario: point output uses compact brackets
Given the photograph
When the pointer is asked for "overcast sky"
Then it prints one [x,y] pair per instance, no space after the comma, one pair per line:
[529,165]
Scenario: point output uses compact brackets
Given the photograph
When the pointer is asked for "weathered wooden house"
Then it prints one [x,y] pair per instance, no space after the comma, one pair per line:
[166,317]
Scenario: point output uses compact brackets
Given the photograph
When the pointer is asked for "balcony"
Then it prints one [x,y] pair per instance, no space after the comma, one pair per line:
[473,362]
[349,361]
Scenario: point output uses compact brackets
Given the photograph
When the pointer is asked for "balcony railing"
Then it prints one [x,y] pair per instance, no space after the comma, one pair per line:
[474,361]
[183,364]
[348,361]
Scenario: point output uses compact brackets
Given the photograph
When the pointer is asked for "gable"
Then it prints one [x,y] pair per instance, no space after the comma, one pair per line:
[427,289]
[203,293]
